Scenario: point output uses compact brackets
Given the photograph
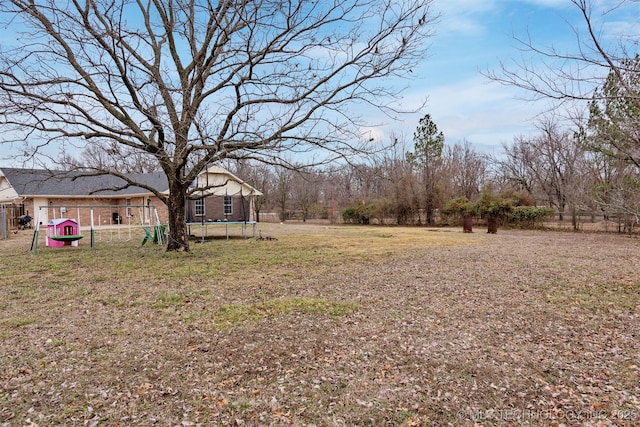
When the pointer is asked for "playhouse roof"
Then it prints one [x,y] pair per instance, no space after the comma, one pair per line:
[59,221]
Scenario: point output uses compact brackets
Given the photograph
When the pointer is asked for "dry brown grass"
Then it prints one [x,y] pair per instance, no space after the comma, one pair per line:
[326,326]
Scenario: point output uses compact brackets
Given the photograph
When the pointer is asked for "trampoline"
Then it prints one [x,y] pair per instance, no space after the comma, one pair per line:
[243,225]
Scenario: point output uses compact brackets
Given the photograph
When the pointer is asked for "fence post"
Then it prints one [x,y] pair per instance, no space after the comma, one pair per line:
[4,223]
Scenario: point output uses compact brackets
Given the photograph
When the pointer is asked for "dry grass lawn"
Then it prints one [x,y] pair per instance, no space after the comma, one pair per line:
[325,326]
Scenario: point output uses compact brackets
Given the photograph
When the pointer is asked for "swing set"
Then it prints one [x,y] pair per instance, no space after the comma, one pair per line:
[65,231]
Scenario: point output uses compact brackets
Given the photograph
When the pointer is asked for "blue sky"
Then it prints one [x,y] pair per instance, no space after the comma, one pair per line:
[474,36]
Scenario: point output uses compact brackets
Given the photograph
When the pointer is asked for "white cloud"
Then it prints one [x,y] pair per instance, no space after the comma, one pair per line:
[372,133]
[480,111]
[484,113]
[546,3]
[463,17]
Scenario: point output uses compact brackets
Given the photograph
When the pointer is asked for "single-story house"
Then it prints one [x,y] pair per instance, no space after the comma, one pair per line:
[46,195]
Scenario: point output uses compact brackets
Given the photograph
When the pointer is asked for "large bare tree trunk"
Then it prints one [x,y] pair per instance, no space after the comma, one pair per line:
[178,237]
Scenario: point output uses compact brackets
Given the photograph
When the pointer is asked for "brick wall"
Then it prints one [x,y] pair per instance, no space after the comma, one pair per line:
[105,210]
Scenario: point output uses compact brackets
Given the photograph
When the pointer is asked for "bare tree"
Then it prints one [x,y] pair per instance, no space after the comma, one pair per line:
[340,189]
[602,69]
[614,186]
[513,165]
[548,165]
[552,73]
[403,188]
[259,175]
[193,82]
[306,191]
[103,156]
[566,181]
[467,170]
[283,190]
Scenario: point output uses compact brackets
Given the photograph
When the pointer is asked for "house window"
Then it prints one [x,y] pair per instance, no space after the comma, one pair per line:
[199,205]
[228,205]
[128,208]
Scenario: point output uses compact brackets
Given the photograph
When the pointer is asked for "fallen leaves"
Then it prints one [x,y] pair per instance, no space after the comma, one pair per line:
[520,324]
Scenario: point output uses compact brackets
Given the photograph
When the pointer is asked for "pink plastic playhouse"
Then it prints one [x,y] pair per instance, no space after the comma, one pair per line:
[63,232]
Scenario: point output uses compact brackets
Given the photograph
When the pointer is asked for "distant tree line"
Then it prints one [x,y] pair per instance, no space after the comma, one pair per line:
[592,167]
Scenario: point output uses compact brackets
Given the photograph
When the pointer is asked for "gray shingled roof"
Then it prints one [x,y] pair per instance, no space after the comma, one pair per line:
[40,182]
